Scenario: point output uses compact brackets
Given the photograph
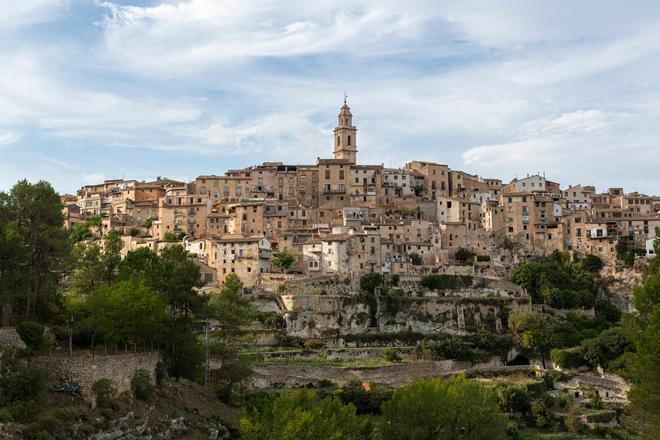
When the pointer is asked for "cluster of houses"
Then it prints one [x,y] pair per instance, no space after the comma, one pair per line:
[339,217]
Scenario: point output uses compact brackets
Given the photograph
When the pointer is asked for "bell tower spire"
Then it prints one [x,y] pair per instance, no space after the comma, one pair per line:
[345,135]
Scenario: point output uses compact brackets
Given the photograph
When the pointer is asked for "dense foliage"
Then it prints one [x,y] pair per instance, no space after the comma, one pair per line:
[34,250]
[558,281]
[283,260]
[643,329]
[300,415]
[447,409]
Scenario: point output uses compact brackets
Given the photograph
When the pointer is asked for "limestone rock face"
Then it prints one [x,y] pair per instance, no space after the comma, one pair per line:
[177,429]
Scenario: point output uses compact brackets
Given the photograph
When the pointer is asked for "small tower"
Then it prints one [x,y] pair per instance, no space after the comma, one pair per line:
[345,135]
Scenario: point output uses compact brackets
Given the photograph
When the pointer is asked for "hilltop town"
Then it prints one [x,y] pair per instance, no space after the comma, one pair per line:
[370,301]
[339,217]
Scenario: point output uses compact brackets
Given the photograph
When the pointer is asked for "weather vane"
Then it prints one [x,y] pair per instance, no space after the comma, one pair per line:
[345,96]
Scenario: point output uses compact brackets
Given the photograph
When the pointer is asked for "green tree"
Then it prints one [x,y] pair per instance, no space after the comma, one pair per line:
[112,246]
[415,259]
[643,329]
[182,278]
[301,415]
[230,307]
[32,334]
[89,269]
[35,214]
[534,332]
[80,232]
[464,255]
[283,260]
[592,263]
[442,409]
[232,311]
[15,276]
[129,312]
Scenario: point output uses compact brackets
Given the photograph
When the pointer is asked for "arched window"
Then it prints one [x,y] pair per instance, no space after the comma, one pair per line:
[349,139]
[338,140]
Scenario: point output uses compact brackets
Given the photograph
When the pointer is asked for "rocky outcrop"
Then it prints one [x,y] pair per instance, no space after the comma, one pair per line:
[300,375]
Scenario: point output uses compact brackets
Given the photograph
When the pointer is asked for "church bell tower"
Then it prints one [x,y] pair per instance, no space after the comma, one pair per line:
[345,135]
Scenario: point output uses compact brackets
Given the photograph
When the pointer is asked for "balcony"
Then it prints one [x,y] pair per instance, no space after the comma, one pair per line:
[334,191]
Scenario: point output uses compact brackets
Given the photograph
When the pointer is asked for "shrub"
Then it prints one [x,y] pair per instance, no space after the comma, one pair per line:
[301,415]
[105,393]
[161,373]
[442,409]
[26,383]
[313,344]
[32,334]
[391,355]
[607,311]
[567,358]
[134,232]
[367,400]
[46,427]
[483,258]
[25,411]
[464,255]
[541,415]
[512,398]
[320,291]
[415,259]
[592,263]
[438,282]
[141,386]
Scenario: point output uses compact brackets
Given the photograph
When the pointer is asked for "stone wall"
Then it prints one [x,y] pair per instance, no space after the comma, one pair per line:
[9,338]
[299,375]
[85,370]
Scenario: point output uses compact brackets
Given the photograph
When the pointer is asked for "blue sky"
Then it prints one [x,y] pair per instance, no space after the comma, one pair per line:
[103,89]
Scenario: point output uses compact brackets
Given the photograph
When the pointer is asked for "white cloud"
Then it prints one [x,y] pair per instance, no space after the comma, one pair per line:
[589,144]
[187,36]
[7,137]
[32,91]
[16,14]
[285,136]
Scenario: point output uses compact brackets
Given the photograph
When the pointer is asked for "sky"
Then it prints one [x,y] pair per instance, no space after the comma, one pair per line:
[93,90]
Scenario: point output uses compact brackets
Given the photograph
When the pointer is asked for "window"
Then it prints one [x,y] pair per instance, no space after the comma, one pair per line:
[349,139]
[327,174]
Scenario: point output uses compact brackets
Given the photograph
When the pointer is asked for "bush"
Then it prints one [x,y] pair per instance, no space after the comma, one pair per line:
[567,358]
[32,334]
[161,373]
[313,344]
[415,259]
[391,355]
[541,415]
[134,232]
[301,415]
[512,398]
[26,383]
[483,258]
[25,411]
[438,282]
[607,311]
[463,255]
[367,400]
[105,393]
[592,263]
[46,427]
[142,387]
[442,409]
